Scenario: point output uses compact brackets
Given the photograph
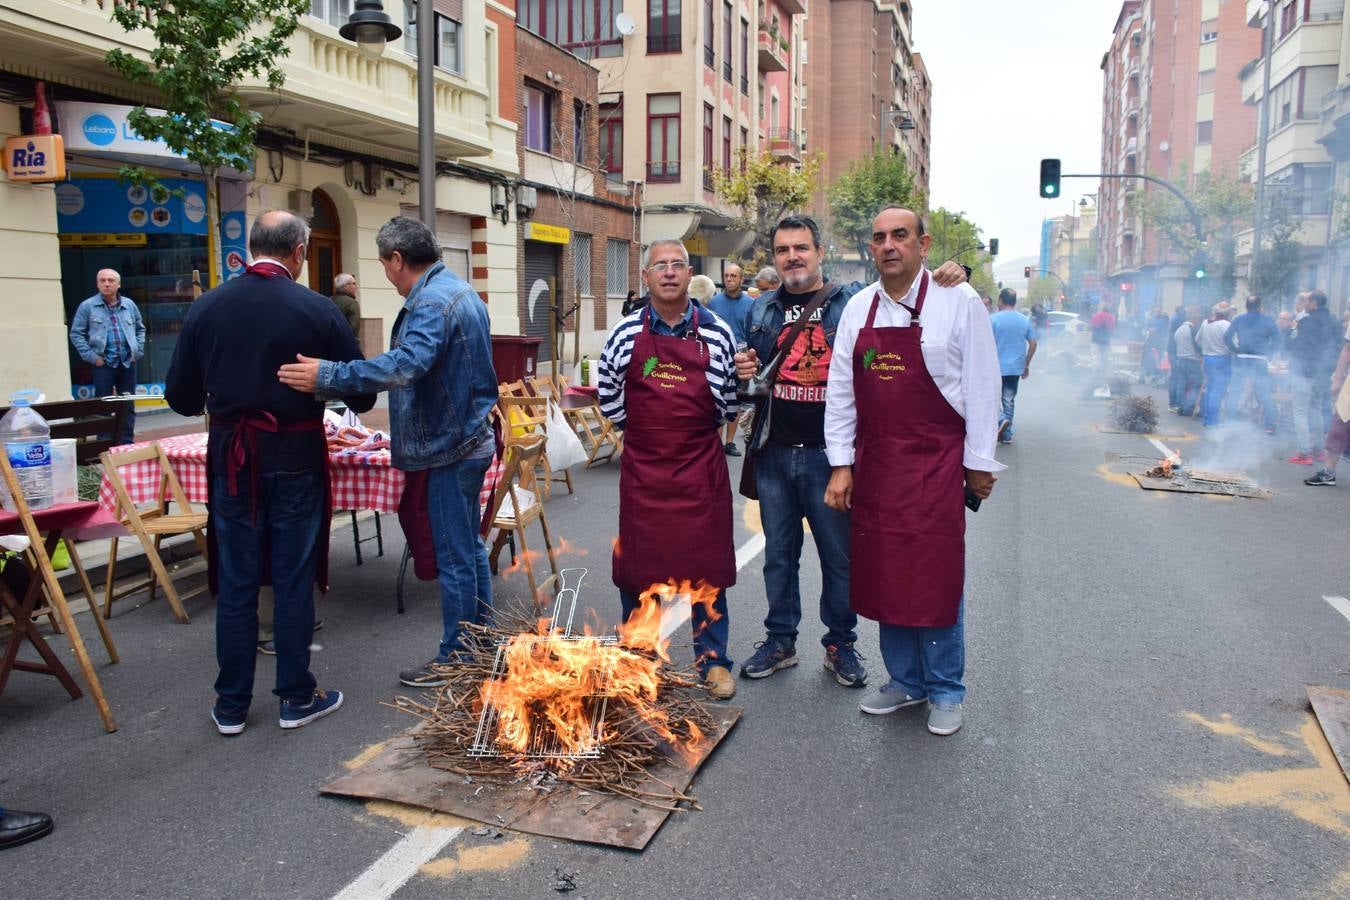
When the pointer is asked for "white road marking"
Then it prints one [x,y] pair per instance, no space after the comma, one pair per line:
[1340,604]
[749,551]
[391,871]
[403,860]
[1162,448]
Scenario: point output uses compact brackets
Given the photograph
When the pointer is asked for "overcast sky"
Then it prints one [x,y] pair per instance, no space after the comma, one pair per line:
[1012,83]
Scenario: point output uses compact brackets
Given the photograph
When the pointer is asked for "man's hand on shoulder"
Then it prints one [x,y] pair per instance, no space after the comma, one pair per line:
[950,274]
[302,375]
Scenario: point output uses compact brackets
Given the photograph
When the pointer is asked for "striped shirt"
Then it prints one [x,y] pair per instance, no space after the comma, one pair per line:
[717,337]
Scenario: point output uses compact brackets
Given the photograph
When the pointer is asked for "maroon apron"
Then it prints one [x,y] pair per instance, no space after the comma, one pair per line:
[908,539]
[674,492]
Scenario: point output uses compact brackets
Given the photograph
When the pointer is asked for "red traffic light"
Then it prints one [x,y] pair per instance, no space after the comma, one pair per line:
[1026,270]
[1126,286]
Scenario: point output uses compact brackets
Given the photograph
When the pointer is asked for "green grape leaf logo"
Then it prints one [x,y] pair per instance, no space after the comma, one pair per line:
[649,366]
[869,357]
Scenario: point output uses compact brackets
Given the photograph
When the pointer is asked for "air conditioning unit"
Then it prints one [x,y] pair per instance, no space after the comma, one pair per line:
[301,203]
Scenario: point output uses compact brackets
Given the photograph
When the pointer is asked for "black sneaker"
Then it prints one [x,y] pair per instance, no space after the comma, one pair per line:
[1323,477]
[424,676]
[770,656]
[846,664]
[732,449]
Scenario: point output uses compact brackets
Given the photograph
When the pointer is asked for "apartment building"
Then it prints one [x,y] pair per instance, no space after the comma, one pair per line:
[337,142]
[866,88]
[1172,107]
[1306,46]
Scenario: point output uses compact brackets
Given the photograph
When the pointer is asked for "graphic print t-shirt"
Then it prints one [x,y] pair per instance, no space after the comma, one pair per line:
[799,391]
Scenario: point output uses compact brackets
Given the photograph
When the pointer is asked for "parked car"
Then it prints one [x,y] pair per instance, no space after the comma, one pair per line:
[1061,323]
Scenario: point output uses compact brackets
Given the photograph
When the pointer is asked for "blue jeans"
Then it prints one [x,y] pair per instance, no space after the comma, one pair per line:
[791,482]
[711,633]
[1189,376]
[1009,403]
[1218,370]
[288,520]
[1255,372]
[927,662]
[121,380]
[461,558]
[1173,382]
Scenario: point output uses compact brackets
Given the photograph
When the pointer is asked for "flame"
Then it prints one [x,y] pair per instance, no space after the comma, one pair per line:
[533,556]
[566,548]
[553,684]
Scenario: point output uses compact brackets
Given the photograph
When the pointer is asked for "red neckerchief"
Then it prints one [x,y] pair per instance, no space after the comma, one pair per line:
[268,269]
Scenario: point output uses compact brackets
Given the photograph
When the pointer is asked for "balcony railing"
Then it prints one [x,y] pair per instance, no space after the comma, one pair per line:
[663,43]
[710,58]
[667,171]
[784,143]
[770,53]
[708,183]
[745,86]
[726,71]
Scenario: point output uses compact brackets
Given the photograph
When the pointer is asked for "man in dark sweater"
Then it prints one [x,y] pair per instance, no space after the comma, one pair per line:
[266,460]
[1253,339]
[1313,347]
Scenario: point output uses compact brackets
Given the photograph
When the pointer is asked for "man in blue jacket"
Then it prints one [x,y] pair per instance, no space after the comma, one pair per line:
[1253,339]
[109,334]
[442,388]
[787,442]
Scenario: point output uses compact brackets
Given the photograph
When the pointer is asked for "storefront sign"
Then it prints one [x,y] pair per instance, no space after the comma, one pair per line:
[549,234]
[103,128]
[109,206]
[697,245]
[35,158]
[102,240]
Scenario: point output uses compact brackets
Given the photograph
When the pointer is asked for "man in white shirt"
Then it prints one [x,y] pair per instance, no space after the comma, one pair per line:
[1218,361]
[1190,373]
[911,416]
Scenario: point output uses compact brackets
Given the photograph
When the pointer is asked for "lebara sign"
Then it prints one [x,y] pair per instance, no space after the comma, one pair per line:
[103,128]
[35,157]
[99,130]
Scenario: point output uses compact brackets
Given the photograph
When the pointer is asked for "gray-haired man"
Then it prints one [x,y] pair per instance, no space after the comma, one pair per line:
[344,297]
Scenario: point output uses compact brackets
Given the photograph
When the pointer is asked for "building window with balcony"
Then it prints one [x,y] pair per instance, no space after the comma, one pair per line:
[538,118]
[585,27]
[709,38]
[707,147]
[663,137]
[745,57]
[1288,16]
[611,140]
[334,12]
[448,45]
[1204,132]
[727,38]
[726,143]
[663,26]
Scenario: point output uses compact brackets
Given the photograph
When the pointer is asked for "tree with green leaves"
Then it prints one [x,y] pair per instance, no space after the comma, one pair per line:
[1224,204]
[855,198]
[1044,289]
[1275,264]
[763,190]
[202,50]
[956,237]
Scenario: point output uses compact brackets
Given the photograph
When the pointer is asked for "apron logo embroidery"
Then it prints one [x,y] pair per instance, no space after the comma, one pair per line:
[882,363]
[665,373]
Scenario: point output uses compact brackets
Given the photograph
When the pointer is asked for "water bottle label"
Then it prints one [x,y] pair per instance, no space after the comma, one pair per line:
[28,454]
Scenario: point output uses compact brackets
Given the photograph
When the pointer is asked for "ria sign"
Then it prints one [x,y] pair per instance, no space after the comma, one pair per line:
[35,158]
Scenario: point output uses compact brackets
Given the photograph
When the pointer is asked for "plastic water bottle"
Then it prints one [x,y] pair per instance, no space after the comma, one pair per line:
[27,442]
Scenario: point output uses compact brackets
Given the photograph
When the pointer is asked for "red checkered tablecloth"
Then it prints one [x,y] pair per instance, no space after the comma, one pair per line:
[358,481]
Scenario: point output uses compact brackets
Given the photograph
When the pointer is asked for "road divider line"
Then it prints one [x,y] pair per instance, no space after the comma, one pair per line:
[749,550]
[391,871]
[1340,604]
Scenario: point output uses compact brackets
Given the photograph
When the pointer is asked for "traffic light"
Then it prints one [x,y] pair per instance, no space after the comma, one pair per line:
[1198,263]
[993,246]
[1026,270]
[1049,178]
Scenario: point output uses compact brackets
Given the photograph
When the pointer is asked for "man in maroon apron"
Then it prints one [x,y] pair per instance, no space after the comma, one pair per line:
[909,426]
[266,462]
[667,379]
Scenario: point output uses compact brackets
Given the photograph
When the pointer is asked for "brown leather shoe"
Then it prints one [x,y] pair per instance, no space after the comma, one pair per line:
[720,684]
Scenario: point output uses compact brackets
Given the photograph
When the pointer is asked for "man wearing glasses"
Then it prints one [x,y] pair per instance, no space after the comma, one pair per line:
[667,378]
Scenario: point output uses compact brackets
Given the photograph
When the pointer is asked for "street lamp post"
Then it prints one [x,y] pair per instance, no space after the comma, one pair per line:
[370,27]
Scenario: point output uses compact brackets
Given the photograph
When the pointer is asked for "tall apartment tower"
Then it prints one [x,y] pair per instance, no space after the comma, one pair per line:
[1172,106]
[866,87]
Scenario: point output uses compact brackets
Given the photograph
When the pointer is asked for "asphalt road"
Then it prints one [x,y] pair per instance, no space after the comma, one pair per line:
[1136,723]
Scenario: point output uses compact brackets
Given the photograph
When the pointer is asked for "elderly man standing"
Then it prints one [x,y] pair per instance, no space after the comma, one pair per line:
[910,424]
[267,463]
[441,391]
[344,298]
[109,334]
[732,306]
[667,379]
[766,279]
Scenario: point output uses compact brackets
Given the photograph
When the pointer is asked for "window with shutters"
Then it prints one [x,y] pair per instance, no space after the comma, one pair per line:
[581,263]
[663,137]
[616,268]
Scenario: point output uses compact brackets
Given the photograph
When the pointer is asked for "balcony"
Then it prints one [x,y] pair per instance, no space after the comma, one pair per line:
[793,7]
[663,43]
[709,183]
[1131,108]
[1131,145]
[663,172]
[1333,131]
[772,56]
[785,145]
[710,58]
[1132,68]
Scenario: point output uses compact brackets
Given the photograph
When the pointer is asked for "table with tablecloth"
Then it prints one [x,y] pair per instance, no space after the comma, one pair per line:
[358,480]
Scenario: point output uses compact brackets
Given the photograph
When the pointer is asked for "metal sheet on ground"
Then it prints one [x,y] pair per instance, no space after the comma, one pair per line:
[401,773]
[1332,708]
[1196,487]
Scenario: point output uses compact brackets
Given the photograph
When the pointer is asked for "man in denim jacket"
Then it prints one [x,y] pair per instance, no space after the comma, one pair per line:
[109,335]
[441,389]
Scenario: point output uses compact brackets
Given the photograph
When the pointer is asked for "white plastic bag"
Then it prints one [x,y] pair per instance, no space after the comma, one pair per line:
[562,446]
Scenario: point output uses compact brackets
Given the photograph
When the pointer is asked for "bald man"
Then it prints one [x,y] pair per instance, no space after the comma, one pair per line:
[109,334]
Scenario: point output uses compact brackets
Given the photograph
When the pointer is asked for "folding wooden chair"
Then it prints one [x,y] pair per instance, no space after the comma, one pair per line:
[583,413]
[524,415]
[23,608]
[519,463]
[151,524]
